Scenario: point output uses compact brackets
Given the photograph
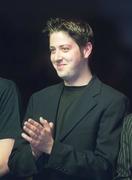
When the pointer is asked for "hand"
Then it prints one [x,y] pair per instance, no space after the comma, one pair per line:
[39,135]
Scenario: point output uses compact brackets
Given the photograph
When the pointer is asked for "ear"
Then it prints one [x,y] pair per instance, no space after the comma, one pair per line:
[87,50]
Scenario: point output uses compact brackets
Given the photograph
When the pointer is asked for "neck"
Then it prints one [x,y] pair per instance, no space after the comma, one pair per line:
[81,81]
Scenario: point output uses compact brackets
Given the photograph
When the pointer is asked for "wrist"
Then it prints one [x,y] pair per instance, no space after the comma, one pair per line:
[36,154]
[49,148]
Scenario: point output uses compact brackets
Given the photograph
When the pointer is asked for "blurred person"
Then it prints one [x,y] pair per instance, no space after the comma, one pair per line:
[9,122]
[124,163]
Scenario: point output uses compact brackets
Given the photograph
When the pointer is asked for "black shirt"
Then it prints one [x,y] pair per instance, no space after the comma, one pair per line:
[9,110]
[9,113]
[68,101]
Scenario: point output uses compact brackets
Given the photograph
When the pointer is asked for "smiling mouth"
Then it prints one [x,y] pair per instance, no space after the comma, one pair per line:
[60,66]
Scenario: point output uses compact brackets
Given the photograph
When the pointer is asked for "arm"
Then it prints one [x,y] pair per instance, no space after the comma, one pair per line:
[21,161]
[9,122]
[124,162]
[6,146]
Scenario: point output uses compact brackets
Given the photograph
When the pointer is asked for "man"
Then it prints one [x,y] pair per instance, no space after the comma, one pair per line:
[73,127]
[9,122]
[124,163]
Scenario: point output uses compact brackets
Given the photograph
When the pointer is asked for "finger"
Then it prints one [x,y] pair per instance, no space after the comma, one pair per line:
[34,123]
[51,125]
[26,137]
[32,142]
[28,126]
[32,133]
[44,122]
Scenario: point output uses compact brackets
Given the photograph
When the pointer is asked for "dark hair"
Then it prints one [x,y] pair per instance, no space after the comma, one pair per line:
[79,30]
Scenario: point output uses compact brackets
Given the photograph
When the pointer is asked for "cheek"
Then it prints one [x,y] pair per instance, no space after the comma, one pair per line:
[51,58]
[70,56]
[76,54]
[76,58]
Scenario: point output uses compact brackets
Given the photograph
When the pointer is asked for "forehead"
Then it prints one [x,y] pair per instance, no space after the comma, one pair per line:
[60,38]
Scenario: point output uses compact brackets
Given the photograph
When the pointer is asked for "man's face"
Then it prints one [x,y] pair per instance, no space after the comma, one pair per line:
[66,56]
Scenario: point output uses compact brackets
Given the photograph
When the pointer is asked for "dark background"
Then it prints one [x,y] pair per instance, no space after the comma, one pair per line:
[24,54]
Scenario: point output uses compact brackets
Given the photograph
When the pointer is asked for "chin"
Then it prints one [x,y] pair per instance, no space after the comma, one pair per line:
[61,75]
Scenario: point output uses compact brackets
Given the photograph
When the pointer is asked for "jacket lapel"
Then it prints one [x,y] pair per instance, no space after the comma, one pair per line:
[84,105]
[52,100]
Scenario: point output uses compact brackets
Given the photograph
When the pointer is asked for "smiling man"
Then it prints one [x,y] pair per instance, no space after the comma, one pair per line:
[72,129]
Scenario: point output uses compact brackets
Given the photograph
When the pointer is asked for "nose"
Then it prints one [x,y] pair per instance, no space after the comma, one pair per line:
[56,56]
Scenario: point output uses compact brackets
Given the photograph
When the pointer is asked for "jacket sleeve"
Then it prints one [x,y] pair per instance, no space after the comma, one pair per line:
[125,155]
[21,161]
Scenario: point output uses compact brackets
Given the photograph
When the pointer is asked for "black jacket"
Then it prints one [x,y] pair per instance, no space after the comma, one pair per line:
[88,146]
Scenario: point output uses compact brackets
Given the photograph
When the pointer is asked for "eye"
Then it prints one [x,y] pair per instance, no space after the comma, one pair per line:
[52,50]
[65,49]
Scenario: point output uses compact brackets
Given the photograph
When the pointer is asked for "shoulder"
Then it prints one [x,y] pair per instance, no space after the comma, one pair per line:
[6,85]
[107,96]
[127,129]
[128,122]
[6,82]
[110,92]
[48,90]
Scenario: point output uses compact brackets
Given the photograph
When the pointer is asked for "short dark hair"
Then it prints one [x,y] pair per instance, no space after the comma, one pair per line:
[79,30]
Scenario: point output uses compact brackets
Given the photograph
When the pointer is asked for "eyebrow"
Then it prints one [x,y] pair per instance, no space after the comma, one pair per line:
[69,45]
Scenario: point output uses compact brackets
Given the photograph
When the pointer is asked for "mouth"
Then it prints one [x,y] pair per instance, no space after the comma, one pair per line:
[60,66]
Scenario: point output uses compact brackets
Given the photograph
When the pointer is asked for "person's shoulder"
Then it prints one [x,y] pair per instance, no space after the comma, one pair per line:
[108,95]
[50,89]
[109,91]
[128,121]
[6,84]
[127,126]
